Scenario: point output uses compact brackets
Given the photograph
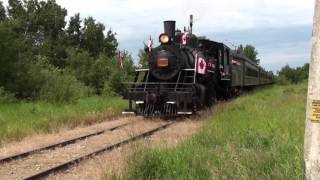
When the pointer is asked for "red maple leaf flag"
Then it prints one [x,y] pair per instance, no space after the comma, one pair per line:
[201,64]
[150,43]
[184,38]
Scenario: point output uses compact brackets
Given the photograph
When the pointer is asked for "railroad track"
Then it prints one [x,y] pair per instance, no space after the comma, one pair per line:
[69,163]
[59,144]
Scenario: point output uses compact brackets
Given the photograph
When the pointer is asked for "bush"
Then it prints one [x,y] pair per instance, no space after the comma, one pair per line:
[293,75]
[62,88]
[6,97]
[54,85]
[97,72]
[108,90]
[282,80]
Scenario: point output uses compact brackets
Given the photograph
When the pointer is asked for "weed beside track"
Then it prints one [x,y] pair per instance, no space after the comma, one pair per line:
[256,136]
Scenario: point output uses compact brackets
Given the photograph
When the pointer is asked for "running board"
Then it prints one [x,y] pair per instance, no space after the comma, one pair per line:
[128,113]
[184,113]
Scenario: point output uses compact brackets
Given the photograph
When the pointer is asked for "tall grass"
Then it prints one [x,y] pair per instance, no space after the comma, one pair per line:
[18,120]
[257,136]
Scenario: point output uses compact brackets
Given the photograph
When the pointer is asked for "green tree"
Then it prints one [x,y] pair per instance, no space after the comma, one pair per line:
[143,58]
[93,37]
[293,75]
[2,12]
[38,52]
[110,44]
[52,22]
[14,59]
[16,9]
[249,51]
[74,31]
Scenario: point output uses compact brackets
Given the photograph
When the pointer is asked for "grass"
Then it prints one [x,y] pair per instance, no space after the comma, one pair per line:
[18,120]
[257,136]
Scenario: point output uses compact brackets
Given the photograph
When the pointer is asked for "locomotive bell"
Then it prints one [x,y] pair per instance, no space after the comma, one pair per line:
[169,28]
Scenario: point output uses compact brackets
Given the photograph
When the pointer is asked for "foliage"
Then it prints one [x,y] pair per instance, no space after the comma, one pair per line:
[74,32]
[96,72]
[51,84]
[44,57]
[6,97]
[242,141]
[14,58]
[293,75]
[93,37]
[143,58]
[249,51]
[2,12]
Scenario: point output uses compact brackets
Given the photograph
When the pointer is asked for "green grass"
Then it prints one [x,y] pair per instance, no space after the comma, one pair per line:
[256,136]
[18,120]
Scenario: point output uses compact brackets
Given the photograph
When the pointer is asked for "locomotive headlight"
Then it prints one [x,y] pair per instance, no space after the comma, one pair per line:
[164,38]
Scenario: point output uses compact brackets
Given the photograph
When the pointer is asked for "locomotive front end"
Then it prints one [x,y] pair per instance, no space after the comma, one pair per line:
[162,89]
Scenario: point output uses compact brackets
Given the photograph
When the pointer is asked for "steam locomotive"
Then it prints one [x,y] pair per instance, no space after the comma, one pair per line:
[186,73]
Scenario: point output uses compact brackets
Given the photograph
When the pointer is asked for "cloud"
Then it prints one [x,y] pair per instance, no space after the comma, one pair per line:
[281,30]
[263,23]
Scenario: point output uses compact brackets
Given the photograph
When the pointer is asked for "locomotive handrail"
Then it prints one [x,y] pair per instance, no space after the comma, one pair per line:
[156,83]
[188,69]
[141,70]
[177,90]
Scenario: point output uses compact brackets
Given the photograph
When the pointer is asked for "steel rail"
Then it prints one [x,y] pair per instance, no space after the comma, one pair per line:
[74,161]
[59,144]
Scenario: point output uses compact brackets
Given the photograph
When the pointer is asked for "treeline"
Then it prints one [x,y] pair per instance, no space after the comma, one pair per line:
[44,57]
[289,75]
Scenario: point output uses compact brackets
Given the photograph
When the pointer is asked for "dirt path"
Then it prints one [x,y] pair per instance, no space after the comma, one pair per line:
[100,166]
[114,163]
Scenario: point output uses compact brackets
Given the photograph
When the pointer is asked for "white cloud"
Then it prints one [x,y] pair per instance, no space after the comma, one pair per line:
[135,20]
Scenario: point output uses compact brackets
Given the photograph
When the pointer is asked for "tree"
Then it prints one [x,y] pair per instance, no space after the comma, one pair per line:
[38,50]
[143,58]
[51,23]
[294,75]
[93,37]
[14,58]
[74,31]
[2,12]
[249,51]
[110,44]
[16,9]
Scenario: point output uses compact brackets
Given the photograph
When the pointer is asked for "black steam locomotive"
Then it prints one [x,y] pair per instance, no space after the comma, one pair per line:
[186,73]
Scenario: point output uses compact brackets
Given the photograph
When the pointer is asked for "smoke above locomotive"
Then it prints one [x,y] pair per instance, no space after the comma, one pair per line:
[186,73]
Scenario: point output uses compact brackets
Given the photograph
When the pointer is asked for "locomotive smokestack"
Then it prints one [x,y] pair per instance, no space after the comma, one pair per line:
[169,28]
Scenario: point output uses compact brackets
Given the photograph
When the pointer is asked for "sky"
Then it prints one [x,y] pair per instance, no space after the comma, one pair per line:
[280,29]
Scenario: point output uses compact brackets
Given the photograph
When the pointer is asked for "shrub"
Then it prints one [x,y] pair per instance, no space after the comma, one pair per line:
[6,97]
[54,85]
[108,90]
[282,80]
[293,75]
[62,88]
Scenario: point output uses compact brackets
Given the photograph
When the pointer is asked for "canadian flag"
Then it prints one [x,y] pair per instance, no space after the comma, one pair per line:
[150,43]
[200,65]
[184,38]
